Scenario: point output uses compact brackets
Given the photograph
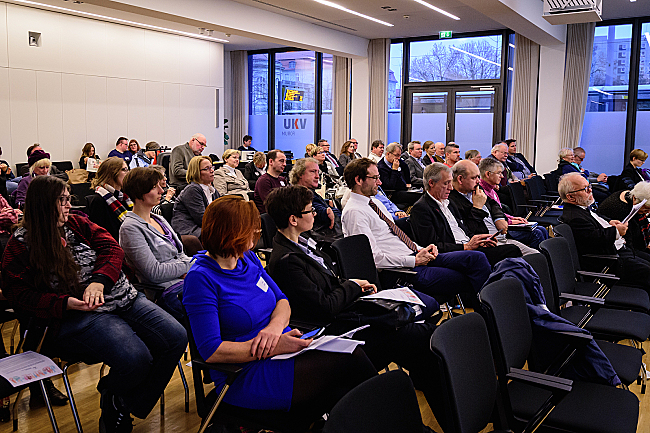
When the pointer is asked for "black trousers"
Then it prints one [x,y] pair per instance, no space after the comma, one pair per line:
[500,252]
[632,269]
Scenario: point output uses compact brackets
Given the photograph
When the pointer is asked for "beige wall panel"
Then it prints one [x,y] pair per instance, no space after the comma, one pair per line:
[97,116]
[5,118]
[4,59]
[50,112]
[22,20]
[194,61]
[155,101]
[74,116]
[137,110]
[117,108]
[171,114]
[83,46]
[24,120]
[216,65]
[125,52]
[162,57]
[197,115]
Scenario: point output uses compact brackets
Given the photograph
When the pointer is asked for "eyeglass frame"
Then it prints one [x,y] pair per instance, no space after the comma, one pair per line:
[306,212]
[585,189]
[208,168]
[64,199]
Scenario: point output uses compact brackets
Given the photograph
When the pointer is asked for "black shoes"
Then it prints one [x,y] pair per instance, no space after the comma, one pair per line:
[115,418]
[57,398]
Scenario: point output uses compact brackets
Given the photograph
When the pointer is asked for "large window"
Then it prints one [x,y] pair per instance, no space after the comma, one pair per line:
[642,136]
[604,128]
[395,92]
[258,103]
[476,58]
[290,104]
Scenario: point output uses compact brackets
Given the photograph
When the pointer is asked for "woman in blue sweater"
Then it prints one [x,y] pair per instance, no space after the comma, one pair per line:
[239,315]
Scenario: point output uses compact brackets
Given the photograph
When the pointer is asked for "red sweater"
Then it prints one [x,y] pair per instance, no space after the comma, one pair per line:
[18,283]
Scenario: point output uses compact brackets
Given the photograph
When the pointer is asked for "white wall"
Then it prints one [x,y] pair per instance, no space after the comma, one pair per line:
[95,81]
[360,108]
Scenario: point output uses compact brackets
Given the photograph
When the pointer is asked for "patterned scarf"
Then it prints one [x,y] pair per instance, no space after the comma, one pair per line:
[116,200]
[645,228]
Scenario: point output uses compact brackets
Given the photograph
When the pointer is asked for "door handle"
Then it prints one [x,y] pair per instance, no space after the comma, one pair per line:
[447,126]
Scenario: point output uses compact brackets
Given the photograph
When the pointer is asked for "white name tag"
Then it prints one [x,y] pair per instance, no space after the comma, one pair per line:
[282,183]
[262,285]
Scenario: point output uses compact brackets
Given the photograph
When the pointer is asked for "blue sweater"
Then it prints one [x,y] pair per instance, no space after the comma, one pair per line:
[235,305]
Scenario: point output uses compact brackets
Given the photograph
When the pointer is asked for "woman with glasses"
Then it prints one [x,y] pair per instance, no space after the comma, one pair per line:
[228,180]
[134,146]
[64,268]
[109,205]
[239,315]
[347,153]
[195,197]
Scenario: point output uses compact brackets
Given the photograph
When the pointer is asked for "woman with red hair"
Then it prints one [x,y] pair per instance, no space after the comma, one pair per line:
[239,315]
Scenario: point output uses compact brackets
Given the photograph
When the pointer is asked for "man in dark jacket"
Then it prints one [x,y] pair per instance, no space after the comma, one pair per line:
[436,220]
[396,176]
[415,164]
[594,234]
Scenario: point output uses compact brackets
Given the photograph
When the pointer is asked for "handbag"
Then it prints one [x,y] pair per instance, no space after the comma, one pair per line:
[383,313]
[77,175]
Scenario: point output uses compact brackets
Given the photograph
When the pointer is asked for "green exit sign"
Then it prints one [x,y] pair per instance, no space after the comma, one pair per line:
[445,35]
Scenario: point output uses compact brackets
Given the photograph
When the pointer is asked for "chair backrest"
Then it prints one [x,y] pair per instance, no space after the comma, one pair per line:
[405,225]
[355,259]
[79,191]
[387,403]
[565,231]
[563,274]
[536,187]
[63,165]
[551,180]
[164,161]
[166,210]
[22,168]
[518,198]
[462,345]
[540,266]
[268,230]
[511,334]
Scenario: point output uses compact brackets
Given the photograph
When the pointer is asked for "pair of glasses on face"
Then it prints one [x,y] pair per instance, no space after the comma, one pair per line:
[125,169]
[585,189]
[211,168]
[64,199]
[311,211]
[202,144]
[375,178]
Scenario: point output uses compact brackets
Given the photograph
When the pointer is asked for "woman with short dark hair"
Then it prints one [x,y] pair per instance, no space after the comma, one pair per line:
[239,315]
[64,268]
[150,244]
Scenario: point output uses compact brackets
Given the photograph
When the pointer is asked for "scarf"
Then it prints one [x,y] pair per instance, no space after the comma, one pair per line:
[116,200]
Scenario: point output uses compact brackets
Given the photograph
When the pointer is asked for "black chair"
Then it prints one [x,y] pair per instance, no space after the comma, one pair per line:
[79,191]
[615,295]
[607,324]
[22,168]
[521,207]
[63,165]
[626,360]
[588,407]
[462,345]
[166,210]
[264,247]
[539,196]
[384,404]
[163,159]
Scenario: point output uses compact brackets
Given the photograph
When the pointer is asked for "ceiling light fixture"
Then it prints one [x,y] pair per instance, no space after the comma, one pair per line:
[430,6]
[118,20]
[474,55]
[344,9]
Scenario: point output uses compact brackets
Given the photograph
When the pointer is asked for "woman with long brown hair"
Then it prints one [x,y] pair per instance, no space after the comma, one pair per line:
[109,205]
[347,153]
[64,268]
[88,151]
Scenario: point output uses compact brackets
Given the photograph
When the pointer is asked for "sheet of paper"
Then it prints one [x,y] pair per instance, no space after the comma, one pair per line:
[325,340]
[92,165]
[634,210]
[341,346]
[401,294]
[27,367]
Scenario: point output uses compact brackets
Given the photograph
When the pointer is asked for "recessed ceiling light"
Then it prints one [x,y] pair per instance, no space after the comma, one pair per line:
[344,9]
[430,6]
[118,20]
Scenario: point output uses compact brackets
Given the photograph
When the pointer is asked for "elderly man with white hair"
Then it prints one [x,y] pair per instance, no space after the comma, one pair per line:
[180,159]
[618,205]
[499,152]
[595,234]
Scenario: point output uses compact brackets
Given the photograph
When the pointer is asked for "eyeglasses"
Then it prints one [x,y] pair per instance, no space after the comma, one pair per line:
[202,144]
[354,142]
[64,199]
[585,189]
[500,173]
[211,168]
[310,211]
[376,178]
[125,169]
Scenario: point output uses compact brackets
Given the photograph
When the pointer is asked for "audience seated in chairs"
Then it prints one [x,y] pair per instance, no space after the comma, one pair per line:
[436,220]
[109,205]
[195,197]
[8,217]
[180,160]
[88,151]
[491,172]
[594,234]
[276,162]
[64,268]
[618,205]
[414,163]
[437,274]
[168,191]
[254,169]
[347,153]
[317,294]
[54,170]
[474,156]
[517,162]
[396,176]
[239,315]
[150,245]
[227,179]
[39,165]
[566,164]
[480,213]
[633,173]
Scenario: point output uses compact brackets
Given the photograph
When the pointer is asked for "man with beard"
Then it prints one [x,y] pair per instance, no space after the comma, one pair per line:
[594,234]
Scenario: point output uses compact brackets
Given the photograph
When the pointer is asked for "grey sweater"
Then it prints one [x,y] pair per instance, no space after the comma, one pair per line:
[155,260]
[180,159]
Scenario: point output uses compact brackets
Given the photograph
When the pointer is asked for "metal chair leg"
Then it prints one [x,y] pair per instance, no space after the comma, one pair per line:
[162,405]
[644,375]
[206,421]
[185,387]
[73,406]
[460,302]
[50,412]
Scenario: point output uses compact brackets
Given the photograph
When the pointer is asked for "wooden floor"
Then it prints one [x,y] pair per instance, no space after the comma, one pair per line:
[84,379]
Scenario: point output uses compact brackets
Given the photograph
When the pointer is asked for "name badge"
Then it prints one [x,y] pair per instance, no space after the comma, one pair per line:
[282,183]
[262,285]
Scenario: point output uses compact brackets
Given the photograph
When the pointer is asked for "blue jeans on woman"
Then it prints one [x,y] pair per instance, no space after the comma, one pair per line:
[142,344]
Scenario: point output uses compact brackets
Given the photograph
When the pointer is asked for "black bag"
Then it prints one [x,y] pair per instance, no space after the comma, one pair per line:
[378,312]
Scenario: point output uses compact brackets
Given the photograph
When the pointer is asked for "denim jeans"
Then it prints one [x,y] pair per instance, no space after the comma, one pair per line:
[142,344]
[531,238]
